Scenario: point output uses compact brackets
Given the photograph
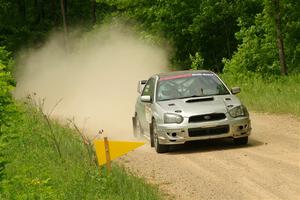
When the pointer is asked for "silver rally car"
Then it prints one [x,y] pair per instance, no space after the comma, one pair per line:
[182,106]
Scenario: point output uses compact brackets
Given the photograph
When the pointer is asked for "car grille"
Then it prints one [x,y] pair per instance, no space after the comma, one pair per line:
[207,117]
[195,132]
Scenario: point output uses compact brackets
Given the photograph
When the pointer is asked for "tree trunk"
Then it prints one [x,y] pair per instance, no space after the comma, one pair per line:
[94,4]
[37,12]
[22,11]
[279,37]
[53,12]
[63,14]
[42,10]
[228,49]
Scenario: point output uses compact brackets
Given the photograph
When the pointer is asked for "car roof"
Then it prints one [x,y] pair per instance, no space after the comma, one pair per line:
[177,73]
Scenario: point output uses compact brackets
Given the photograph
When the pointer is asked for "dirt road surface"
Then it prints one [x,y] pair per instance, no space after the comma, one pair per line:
[267,168]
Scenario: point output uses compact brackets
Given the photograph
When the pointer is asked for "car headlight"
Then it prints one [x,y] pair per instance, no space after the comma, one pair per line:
[238,111]
[170,118]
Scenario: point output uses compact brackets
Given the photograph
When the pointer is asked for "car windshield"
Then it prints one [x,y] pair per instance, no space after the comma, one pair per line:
[189,85]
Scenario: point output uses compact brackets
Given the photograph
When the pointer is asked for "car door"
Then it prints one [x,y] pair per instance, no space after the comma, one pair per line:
[145,108]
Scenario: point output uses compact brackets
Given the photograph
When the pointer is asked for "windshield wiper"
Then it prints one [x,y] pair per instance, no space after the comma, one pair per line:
[166,99]
[182,97]
[190,96]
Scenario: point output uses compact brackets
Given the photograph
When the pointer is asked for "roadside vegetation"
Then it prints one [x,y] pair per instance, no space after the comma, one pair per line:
[274,94]
[42,159]
[45,160]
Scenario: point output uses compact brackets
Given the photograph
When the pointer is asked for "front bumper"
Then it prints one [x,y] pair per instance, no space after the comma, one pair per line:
[169,134]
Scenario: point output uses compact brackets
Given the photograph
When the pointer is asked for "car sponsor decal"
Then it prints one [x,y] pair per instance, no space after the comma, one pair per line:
[203,74]
[184,76]
[175,77]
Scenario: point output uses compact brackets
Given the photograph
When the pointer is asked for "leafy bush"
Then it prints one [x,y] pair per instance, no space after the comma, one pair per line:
[258,50]
[6,85]
[7,108]
[197,61]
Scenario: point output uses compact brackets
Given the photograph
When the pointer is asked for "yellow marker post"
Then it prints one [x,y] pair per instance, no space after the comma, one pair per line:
[109,150]
[107,154]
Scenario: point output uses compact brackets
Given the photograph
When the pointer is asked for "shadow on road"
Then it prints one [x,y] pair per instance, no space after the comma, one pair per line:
[211,145]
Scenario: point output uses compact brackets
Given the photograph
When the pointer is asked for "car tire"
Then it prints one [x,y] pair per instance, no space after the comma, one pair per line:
[241,141]
[159,148]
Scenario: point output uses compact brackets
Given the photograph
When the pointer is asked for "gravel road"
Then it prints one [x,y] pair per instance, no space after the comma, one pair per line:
[267,168]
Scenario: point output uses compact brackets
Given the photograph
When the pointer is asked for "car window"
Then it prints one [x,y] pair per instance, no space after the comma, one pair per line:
[149,88]
[190,85]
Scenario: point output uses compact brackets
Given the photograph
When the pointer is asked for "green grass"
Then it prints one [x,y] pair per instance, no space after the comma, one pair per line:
[36,171]
[272,94]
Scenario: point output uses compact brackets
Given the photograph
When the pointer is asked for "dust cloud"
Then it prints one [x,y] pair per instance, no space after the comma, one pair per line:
[95,81]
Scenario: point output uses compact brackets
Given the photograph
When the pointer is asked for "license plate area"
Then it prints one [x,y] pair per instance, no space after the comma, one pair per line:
[204,131]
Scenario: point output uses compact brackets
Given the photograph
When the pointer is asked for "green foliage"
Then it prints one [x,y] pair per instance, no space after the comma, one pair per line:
[6,85]
[6,59]
[36,171]
[190,26]
[7,108]
[291,22]
[6,104]
[197,61]
[273,94]
[258,50]
[27,23]
[217,29]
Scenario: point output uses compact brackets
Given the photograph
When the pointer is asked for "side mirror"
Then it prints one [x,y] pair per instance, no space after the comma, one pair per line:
[141,85]
[235,90]
[146,99]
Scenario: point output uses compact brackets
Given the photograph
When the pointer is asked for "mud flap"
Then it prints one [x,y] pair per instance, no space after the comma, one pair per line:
[134,126]
[151,135]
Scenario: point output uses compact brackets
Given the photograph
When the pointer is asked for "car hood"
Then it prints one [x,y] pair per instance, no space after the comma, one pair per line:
[200,105]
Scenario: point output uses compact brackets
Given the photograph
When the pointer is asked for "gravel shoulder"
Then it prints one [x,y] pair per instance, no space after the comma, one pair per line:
[267,168]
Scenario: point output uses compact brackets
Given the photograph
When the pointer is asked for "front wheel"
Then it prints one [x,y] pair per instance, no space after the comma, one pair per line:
[159,148]
[241,141]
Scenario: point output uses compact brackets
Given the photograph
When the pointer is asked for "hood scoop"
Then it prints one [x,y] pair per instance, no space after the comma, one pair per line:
[199,100]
